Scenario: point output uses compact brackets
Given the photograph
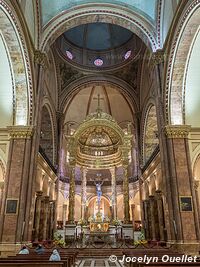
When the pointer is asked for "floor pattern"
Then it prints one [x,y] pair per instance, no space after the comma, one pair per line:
[98,263]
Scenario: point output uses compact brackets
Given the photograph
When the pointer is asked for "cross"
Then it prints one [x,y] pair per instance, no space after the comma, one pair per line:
[98,98]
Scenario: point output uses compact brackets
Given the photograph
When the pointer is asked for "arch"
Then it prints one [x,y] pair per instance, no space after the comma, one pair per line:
[48,130]
[122,86]
[99,13]
[2,170]
[177,67]
[149,132]
[19,66]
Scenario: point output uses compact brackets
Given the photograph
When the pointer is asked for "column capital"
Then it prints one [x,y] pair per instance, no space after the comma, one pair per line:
[196,184]
[20,132]
[1,184]
[39,193]
[158,57]
[177,131]
[40,58]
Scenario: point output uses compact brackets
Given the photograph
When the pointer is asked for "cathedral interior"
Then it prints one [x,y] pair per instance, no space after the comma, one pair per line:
[99,121]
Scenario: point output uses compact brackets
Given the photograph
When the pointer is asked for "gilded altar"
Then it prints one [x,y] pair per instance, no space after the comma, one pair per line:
[99,227]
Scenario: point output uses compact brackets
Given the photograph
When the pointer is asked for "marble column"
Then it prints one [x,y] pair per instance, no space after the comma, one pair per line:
[133,215]
[152,214]
[12,222]
[64,214]
[71,196]
[126,196]
[160,214]
[37,214]
[83,194]
[114,194]
[186,222]
[46,216]
[146,219]
[1,193]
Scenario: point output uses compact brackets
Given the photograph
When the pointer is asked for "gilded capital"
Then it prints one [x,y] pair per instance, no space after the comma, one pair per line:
[40,58]
[177,131]
[158,57]
[20,132]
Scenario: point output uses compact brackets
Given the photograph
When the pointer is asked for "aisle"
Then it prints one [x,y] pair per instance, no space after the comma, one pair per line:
[100,262]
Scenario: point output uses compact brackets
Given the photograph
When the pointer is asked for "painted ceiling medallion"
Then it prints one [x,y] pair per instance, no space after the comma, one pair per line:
[98,62]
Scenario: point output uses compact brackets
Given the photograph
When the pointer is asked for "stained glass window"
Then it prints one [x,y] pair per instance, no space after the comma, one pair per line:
[127,54]
[98,62]
[69,54]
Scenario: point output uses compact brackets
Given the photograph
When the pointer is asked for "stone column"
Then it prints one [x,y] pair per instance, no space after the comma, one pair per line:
[37,214]
[114,194]
[64,214]
[146,219]
[46,215]
[71,196]
[83,194]
[126,196]
[152,214]
[181,181]
[133,215]
[14,203]
[160,214]
[1,193]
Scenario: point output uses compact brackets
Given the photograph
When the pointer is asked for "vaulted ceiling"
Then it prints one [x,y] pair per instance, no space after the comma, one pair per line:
[50,9]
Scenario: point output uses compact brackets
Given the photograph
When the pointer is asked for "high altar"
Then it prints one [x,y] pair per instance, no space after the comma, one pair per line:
[97,145]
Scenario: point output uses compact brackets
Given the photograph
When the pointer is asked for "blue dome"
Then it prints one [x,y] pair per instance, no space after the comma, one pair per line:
[98,36]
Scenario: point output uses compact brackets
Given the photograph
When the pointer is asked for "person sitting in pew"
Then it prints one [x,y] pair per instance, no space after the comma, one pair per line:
[39,249]
[55,256]
[24,250]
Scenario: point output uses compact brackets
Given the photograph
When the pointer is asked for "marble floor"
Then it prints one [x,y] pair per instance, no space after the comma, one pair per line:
[100,262]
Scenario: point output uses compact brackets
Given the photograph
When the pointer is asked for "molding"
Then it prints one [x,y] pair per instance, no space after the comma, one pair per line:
[177,131]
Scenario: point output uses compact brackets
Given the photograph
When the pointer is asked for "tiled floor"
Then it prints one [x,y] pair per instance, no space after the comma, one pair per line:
[98,263]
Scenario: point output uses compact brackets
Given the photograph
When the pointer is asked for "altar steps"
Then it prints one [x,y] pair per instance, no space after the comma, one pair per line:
[100,252]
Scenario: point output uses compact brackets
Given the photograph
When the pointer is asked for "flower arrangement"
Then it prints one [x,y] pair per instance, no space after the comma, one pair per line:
[58,239]
[91,219]
[116,222]
[82,222]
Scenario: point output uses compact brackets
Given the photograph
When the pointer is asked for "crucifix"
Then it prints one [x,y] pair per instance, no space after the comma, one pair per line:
[98,98]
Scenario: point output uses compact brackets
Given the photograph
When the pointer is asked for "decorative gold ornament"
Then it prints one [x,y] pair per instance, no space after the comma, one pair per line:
[20,132]
[177,131]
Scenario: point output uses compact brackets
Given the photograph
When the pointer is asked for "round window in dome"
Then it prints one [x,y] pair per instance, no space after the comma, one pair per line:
[98,62]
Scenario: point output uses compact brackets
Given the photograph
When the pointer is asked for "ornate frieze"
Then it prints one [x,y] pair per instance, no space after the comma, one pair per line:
[177,131]
[20,132]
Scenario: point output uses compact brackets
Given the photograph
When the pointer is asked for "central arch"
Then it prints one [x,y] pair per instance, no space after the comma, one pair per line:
[99,13]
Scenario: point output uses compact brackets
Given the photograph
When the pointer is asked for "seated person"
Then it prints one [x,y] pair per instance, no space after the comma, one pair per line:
[55,256]
[39,249]
[24,250]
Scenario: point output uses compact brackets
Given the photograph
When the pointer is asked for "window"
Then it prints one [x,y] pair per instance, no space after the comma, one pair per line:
[127,54]
[98,62]
[69,54]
